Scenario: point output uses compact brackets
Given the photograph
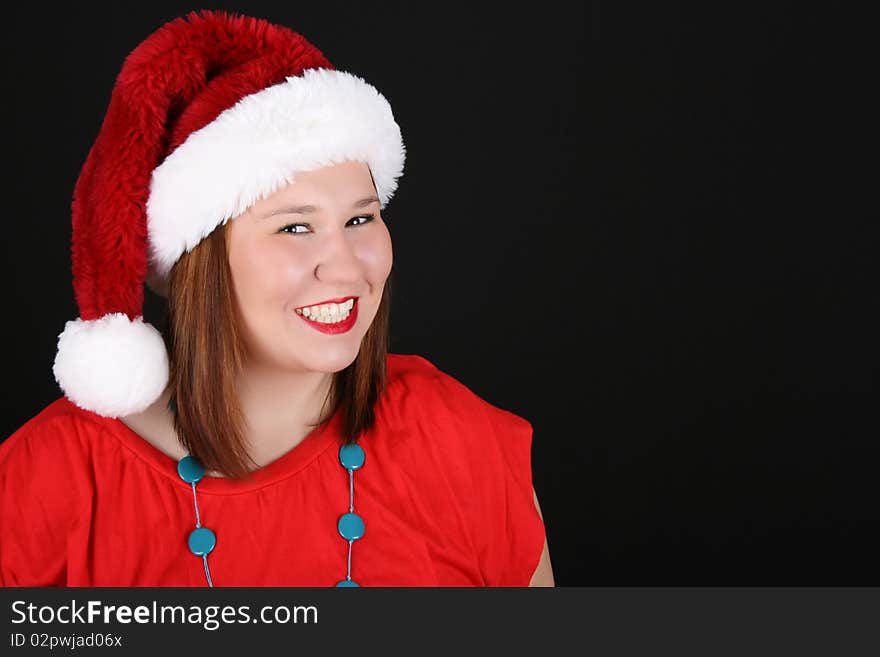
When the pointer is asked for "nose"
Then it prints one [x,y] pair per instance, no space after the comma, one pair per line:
[338,262]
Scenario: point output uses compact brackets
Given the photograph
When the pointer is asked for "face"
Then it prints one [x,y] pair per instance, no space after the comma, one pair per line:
[319,239]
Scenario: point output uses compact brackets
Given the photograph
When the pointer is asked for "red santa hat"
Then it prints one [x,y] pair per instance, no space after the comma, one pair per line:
[209,114]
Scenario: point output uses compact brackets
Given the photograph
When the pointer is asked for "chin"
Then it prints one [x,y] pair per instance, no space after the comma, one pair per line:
[330,362]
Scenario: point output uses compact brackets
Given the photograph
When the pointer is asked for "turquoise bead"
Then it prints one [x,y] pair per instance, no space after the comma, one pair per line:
[201,541]
[347,583]
[351,526]
[190,470]
[351,456]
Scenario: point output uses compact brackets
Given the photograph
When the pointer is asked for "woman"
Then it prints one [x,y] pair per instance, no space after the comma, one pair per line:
[268,438]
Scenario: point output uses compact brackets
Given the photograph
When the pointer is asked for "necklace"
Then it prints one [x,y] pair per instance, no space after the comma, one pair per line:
[350,525]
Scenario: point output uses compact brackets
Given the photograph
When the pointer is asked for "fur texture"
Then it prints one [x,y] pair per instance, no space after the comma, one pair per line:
[112,366]
[208,113]
[178,80]
[309,121]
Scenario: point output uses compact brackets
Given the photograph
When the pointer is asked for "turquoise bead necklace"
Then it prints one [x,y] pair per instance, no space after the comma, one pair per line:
[350,526]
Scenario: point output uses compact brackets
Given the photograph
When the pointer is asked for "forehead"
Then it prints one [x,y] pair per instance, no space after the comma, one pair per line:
[334,188]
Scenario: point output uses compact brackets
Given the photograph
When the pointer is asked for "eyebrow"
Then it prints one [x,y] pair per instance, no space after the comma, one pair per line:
[307,209]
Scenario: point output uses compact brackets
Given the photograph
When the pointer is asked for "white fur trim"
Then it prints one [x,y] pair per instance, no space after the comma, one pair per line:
[111,366]
[307,122]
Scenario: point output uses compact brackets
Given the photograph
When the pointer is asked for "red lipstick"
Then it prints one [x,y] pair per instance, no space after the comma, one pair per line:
[336,327]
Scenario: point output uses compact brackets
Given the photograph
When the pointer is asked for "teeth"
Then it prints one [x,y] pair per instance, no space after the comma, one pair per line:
[328,313]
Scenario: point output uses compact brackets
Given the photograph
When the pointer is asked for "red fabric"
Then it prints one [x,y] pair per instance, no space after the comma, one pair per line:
[445,494]
[179,79]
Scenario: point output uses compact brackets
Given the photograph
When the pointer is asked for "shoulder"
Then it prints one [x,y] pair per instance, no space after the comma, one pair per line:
[468,432]
[416,383]
[412,372]
[474,459]
[46,485]
[419,375]
[48,464]
[52,442]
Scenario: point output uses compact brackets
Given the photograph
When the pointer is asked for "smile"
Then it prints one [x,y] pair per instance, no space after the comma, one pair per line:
[330,317]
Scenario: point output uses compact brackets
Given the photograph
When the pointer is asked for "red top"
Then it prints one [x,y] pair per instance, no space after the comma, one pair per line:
[445,494]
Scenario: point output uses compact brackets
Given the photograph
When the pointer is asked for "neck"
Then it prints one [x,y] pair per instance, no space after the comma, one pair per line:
[279,408]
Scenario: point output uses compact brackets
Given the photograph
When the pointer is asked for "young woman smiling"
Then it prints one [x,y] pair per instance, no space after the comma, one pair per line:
[266,437]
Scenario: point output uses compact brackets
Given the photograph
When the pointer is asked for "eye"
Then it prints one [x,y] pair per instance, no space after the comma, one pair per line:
[367,218]
[362,219]
[284,230]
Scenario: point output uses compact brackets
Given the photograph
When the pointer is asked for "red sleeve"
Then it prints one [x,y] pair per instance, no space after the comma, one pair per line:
[515,539]
[496,480]
[38,500]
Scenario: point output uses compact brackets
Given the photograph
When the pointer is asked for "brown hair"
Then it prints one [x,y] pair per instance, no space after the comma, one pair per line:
[203,339]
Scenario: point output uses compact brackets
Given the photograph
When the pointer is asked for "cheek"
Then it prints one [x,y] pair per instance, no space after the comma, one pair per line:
[265,272]
[377,255]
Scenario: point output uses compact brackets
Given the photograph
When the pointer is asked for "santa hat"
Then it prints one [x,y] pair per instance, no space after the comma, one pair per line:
[209,114]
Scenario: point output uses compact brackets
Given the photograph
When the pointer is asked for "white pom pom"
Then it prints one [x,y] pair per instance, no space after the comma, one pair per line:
[111,366]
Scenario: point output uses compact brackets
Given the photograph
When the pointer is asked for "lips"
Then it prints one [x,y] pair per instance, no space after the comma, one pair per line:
[339,327]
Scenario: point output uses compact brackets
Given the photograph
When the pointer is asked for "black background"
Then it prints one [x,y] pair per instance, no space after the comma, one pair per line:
[648,229]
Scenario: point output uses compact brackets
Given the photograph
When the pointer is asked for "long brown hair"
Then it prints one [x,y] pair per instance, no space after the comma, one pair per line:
[203,339]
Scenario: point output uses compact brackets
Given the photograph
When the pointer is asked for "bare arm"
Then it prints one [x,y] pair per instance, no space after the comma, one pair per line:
[543,575]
